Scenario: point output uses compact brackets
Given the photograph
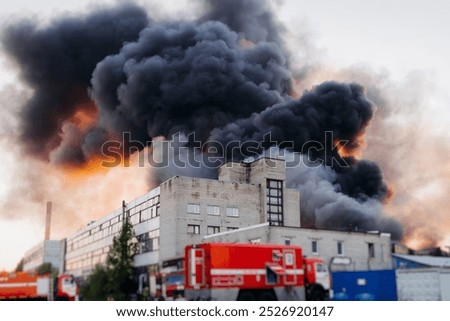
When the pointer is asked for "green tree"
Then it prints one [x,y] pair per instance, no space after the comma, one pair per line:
[46,268]
[95,289]
[19,266]
[114,279]
[120,262]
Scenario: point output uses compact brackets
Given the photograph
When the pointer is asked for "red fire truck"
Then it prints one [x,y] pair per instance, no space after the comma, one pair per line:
[31,286]
[246,272]
[173,285]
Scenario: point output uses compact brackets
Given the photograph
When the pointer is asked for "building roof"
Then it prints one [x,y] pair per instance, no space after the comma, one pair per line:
[432,261]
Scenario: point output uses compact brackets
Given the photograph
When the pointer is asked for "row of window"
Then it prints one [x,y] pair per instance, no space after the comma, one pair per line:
[340,248]
[212,210]
[148,242]
[88,260]
[210,229]
[145,205]
[144,215]
[138,214]
[37,255]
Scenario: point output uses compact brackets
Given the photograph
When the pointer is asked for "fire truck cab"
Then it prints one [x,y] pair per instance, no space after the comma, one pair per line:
[31,286]
[226,272]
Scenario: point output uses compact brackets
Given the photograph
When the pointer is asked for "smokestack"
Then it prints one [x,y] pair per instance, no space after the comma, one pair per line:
[48,219]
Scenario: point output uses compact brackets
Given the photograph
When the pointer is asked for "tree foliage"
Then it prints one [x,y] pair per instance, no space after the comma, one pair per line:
[95,288]
[120,262]
[114,280]
[46,268]
[19,266]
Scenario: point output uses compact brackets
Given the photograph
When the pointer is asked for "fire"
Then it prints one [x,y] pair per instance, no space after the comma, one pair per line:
[418,242]
[296,89]
[244,43]
[73,132]
[353,148]
[91,167]
[85,117]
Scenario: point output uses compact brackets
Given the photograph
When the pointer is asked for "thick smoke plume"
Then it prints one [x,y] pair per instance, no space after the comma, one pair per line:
[186,77]
[226,77]
[57,63]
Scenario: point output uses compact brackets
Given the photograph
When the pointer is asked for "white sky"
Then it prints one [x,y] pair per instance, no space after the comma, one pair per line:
[401,36]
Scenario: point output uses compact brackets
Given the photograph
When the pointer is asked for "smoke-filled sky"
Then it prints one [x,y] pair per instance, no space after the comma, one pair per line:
[75,75]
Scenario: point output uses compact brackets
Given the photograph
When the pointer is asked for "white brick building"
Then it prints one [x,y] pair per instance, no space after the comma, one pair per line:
[342,251]
[184,210]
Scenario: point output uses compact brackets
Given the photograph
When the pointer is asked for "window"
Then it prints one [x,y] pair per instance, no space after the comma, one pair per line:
[193,229]
[274,196]
[314,247]
[135,218]
[371,247]
[271,276]
[321,267]
[340,248]
[233,211]
[213,210]
[193,208]
[148,242]
[213,229]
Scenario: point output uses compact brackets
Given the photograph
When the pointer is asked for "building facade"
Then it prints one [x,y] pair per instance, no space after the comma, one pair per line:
[249,202]
[182,210]
[48,251]
[341,251]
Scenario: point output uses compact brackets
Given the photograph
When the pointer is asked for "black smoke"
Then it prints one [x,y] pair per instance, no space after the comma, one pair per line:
[225,77]
[331,111]
[57,63]
[185,77]
[253,20]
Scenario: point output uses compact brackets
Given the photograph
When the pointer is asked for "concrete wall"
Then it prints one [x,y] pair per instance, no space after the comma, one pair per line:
[178,192]
[355,245]
[48,251]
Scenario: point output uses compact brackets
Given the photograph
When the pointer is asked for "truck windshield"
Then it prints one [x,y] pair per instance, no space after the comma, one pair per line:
[174,279]
[321,267]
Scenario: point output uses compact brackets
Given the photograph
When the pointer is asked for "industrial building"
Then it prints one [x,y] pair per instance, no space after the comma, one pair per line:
[47,251]
[405,261]
[249,202]
[342,251]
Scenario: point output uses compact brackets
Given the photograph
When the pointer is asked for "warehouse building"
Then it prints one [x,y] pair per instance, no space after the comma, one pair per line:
[182,210]
[341,251]
[249,202]
[48,251]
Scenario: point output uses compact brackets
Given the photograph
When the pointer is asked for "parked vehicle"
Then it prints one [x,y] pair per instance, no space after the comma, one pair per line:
[225,271]
[31,286]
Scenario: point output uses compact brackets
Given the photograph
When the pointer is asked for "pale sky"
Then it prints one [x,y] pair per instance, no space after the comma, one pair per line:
[399,37]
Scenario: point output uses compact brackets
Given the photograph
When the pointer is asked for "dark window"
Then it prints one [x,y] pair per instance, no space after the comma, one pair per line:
[271,276]
[314,247]
[274,196]
[213,229]
[193,229]
[340,247]
[371,247]
[148,242]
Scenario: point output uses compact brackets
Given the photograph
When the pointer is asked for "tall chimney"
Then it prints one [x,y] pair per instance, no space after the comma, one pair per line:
[48,219]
